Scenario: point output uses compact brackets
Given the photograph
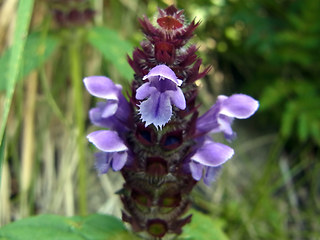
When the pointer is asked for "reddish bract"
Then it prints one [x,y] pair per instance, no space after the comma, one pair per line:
[169,23]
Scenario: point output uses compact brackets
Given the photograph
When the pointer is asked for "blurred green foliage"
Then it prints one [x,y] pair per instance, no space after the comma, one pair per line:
[269,49]
[38,49]
[113,48]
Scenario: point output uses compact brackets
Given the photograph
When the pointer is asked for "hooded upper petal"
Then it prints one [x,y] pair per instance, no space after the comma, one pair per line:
[102,87]
[213,154]
[107,141]
[239,106]
[162,71]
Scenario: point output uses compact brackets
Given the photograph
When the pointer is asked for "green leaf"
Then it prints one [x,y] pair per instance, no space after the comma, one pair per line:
[19,39]
[288,118]
[53,227]
[4,64]
[315,131]
[303,127]
[100,227]
[113,48]
[274,94]
[203,227]
[37,50]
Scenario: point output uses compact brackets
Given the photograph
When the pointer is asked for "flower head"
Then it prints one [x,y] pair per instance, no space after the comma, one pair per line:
[221,115]
[161,92]
[209,156]
[114,151]
[115,112]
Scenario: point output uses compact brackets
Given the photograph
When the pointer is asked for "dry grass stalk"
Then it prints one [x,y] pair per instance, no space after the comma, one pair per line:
[8,9]
[27,162]
[5,206]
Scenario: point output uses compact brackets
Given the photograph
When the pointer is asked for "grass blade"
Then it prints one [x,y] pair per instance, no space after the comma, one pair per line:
[23,20]
[75,67]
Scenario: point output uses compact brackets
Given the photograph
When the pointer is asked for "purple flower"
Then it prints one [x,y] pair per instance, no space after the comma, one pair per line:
[220,116]
[209,157]
[160,92]
[209,174]
[114,151]
[113,113]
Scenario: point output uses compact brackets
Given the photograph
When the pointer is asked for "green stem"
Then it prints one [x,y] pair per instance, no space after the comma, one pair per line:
[75,65]
[2,150]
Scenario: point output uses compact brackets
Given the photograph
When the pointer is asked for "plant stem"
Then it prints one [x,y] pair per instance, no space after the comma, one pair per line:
[28,140]
[2,150]
[75,65]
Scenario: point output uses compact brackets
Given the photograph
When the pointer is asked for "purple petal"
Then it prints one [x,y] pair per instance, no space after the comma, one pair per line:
[109,109]
[102,87]
[107,141]
[230,137]
[196,170]
[164,72]
[119,160]
[211,174]
[117,122]
[213,154]
[177,98]
[156,110]
[95,115]
[144,91]
[102,163]
[225,124]
[239,106]
[124,109]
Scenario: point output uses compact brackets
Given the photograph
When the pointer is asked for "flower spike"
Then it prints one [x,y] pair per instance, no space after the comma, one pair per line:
[156,139]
